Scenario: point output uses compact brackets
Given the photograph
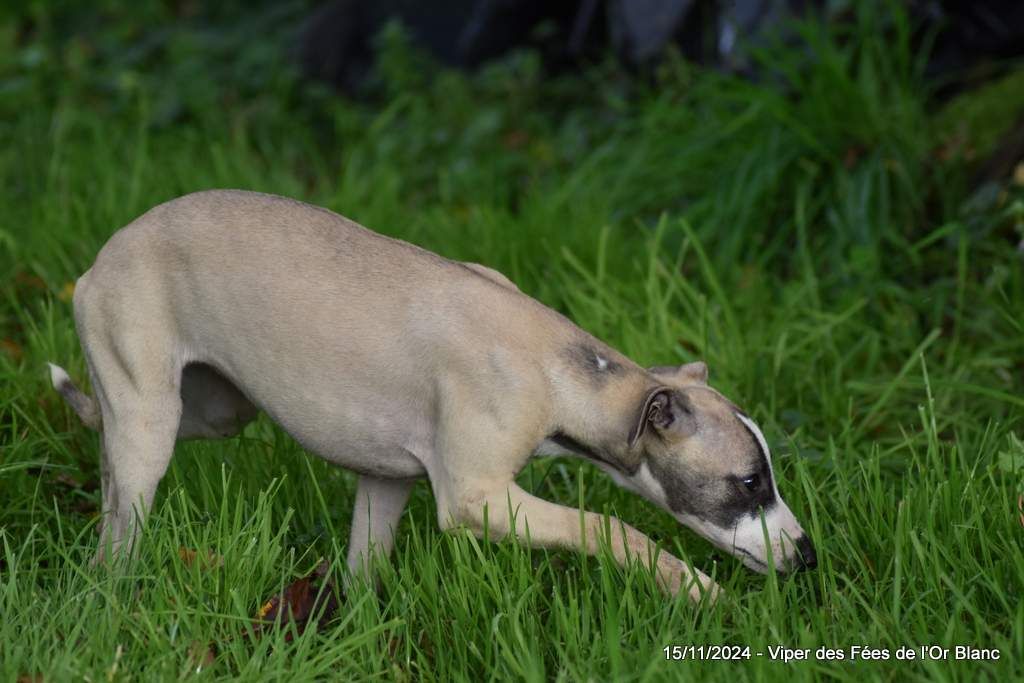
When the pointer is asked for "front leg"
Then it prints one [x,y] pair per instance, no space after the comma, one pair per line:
[557,526]
[378,507]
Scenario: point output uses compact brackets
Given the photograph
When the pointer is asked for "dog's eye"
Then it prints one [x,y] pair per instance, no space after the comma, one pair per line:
[752,482]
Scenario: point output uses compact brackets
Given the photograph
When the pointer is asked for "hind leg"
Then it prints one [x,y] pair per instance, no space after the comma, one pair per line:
[139,399]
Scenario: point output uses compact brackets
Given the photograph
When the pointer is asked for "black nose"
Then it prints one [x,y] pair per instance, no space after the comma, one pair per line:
[808,558]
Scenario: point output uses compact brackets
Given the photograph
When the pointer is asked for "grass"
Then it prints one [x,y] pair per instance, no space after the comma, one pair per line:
[815,237]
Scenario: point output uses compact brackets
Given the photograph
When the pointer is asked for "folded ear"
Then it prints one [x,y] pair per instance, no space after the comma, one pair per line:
[664,410]
[688,373]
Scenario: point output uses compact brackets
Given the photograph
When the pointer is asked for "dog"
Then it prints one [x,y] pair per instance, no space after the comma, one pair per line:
[396,363]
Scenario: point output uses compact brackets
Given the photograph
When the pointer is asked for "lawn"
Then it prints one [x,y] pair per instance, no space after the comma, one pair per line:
[822,236]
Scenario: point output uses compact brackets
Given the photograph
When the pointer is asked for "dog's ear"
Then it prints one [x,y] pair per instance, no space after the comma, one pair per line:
[688,373]
[665,411]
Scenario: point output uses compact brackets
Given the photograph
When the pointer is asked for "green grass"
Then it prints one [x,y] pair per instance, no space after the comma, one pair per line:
[844,281]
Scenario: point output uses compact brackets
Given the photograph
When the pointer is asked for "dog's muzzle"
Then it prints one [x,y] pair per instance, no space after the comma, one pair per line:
[808,558]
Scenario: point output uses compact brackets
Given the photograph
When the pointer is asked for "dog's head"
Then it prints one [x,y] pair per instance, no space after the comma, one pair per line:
[708,464]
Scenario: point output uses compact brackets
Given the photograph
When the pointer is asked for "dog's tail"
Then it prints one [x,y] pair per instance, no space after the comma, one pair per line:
[83,404]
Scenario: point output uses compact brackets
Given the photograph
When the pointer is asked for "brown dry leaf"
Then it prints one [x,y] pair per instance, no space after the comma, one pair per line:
[852,156]
[201,655]
[85,506]
[299,602]
[72,481]
[12,348]
[66,292]
[957,145]
[31,678]
[264,609]
[515,139]
[29,281]
[208,560]
[68,480]
[79,496]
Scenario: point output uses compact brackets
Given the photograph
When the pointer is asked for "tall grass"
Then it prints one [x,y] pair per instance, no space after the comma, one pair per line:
[843,281]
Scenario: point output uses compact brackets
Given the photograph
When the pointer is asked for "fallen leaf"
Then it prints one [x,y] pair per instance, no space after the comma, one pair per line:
[299,602]
[80,490]
[514,139]
[67,479]
[66,292]
[85,506]
[31,678]
[956,146]
[209,560]
[30,281]
[201,655]
[12,348]
[263,611]
[852,156]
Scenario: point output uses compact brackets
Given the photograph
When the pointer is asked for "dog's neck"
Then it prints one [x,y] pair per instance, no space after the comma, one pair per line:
[598,396]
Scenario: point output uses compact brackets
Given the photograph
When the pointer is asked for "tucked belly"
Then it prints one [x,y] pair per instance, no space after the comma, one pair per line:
[372,434]
[365,416]
[363,453]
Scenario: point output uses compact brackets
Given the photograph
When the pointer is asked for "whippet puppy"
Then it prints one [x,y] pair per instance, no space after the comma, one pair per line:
[399,364]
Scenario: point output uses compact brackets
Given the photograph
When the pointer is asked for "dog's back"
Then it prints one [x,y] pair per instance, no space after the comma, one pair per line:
[314,318]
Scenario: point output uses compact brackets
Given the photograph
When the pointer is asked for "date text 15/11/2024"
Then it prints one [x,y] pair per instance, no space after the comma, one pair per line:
[786,655]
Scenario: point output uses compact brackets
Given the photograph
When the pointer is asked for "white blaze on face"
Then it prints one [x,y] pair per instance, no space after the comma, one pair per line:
[782,527]
[783,532]
[756,431]
[745,540]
